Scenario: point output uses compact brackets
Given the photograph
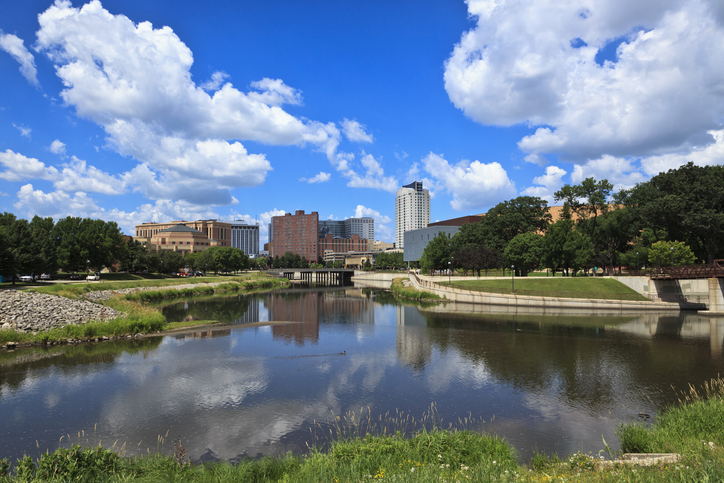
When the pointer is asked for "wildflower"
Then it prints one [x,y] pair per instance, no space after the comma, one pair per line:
[439,456]
[412,470]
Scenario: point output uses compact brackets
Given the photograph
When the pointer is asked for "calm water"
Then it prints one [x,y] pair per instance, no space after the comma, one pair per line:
[547,382]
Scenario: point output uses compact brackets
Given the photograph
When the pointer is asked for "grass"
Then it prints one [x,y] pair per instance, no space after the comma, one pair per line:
[411,293]
[583,287]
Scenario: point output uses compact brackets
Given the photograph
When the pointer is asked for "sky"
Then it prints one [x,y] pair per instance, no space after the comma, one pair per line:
[138,111]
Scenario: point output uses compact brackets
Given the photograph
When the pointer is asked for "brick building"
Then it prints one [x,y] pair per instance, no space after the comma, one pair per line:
[295,233]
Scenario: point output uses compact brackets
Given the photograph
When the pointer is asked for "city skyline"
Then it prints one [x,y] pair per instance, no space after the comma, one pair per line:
[135,112]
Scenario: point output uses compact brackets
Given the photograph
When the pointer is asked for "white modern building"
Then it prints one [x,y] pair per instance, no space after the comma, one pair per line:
[245,237]
[412,210]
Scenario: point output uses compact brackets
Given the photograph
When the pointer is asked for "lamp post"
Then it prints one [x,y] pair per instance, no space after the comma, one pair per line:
[512,278]
[449,270]
[672,258]
[638,267]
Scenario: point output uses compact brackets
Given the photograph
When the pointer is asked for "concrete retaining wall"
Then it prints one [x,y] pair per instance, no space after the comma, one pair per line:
[526,301]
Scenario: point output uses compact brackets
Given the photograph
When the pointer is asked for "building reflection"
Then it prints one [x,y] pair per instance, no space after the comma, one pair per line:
[414,347]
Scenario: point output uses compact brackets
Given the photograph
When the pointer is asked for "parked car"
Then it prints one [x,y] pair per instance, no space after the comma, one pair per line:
[76,276]
[46,276]
[26,278]
[93,276]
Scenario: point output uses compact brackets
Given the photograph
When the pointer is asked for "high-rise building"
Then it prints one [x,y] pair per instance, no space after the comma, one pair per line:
[245,237]
[412,210]
[295,233]
[362,227]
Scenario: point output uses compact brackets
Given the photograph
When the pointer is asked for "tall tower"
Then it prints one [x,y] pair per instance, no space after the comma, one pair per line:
[412,210]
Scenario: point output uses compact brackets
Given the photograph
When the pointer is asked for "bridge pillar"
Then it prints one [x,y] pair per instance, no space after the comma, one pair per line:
[716,295]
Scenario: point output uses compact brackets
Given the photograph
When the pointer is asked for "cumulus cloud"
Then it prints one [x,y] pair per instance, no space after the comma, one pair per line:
[548,184]
[620,172]
[321,177]
[356,131]
[473,185]
[20,168]
[617,78]
[134,80]
[14,46]
[362,211]
[374,176]
[57,147]
[56,204]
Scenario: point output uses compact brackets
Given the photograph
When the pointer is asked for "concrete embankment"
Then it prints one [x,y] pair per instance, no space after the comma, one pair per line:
[522,303]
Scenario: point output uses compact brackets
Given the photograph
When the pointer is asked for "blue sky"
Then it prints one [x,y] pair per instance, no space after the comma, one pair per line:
[151,111]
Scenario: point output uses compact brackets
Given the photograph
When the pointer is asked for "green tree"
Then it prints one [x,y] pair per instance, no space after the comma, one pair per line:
[588,200]
[42,244]
[132,256]
[102,241]
[525,252]
[477,258]
[662,253]
[503,222]
[615,232]
[171,261]
[21,258]
[387,261]
[437,253]
[687,203]
[7,256]
[71,254]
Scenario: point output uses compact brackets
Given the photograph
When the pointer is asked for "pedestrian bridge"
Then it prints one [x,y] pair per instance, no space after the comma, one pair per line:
[320,276]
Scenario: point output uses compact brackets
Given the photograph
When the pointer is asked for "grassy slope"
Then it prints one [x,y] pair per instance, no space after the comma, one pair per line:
[574,287]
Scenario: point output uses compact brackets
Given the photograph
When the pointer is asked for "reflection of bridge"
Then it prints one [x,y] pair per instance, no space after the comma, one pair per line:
[710,270]
[322,276]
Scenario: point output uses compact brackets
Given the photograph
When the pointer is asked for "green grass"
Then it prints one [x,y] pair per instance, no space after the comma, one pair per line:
[578,287]
[410,292]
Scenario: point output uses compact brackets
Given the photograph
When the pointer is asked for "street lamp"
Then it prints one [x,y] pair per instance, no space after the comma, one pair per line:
[672,258]
[638,267]
[449,270]
[512,278]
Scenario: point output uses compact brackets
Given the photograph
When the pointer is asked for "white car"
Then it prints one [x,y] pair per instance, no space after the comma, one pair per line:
[26,278]
[93,277]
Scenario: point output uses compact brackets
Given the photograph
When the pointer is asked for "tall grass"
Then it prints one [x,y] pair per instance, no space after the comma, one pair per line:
[411,293]
[255,284]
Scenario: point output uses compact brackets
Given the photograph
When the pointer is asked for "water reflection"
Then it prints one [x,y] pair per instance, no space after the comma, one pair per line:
[547,381]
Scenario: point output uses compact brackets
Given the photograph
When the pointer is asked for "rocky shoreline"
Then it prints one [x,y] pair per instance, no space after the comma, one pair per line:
[34,312]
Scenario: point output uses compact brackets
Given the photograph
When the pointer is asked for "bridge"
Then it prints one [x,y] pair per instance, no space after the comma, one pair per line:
[320,276]
[710,270]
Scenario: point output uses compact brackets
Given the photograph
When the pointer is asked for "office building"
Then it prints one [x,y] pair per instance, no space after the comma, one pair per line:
[245,237]
[362,227]
[184,236]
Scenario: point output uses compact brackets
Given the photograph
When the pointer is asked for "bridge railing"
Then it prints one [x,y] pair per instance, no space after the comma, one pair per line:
[709,270]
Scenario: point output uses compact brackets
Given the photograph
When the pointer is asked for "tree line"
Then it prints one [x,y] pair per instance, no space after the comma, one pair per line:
[675,218]
[80,244]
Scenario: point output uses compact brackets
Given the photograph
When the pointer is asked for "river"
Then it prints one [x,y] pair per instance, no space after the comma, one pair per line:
[547,382]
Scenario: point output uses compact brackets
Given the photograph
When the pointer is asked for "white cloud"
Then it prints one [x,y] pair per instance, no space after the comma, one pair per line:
[57,147]
[78,176]
[20,168]
[213,84]
[362,211]
[24,130]
[57,204]
[473,185]
[535,62]
[705,155]
[356,131]
[536,159]
[620,172]
[14,46]
[321,177]
[135,82]
[549,183]
[374,176]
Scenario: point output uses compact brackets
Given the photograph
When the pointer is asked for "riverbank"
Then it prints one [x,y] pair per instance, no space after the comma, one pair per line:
[692,430]
[80,312]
